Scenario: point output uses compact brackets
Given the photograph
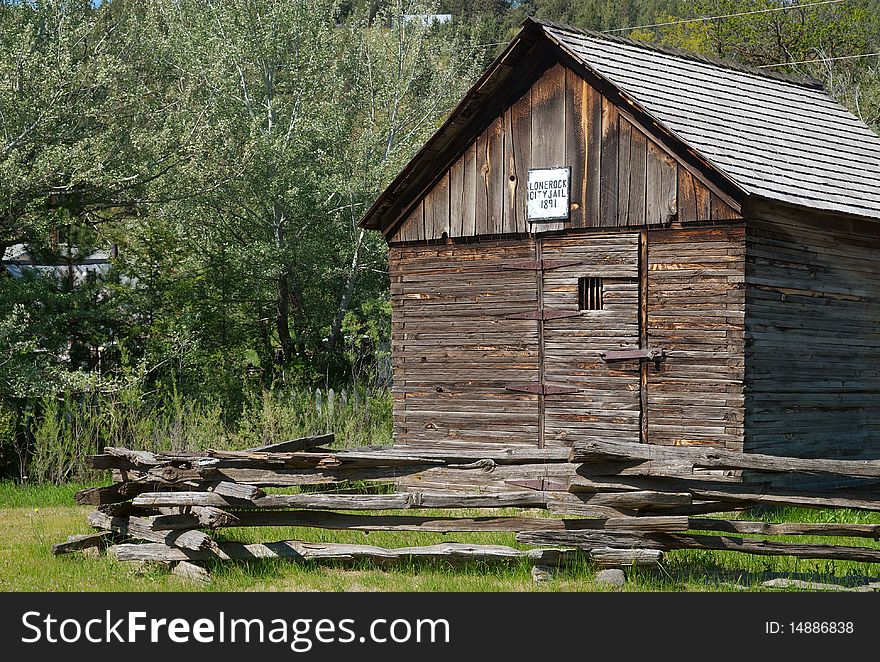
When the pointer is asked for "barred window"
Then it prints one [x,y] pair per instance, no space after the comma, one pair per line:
[590,293]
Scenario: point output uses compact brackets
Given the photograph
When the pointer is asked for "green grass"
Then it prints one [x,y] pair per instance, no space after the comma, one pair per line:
[15,495]
[34,518]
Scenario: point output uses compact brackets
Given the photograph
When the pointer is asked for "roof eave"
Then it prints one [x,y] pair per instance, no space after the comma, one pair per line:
[753,199]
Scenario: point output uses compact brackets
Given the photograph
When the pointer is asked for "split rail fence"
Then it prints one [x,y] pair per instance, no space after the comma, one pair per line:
[617,504]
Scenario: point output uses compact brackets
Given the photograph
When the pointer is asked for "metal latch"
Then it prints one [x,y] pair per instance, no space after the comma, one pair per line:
[647,354]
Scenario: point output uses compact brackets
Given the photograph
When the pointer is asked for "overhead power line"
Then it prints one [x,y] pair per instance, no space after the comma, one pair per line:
[819,59]
[713,18]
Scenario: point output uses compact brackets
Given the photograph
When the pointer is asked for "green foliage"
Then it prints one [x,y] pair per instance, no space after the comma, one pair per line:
[22,371]
[357,416]
[605,14]
[228,151]
[367,334]
[77,131]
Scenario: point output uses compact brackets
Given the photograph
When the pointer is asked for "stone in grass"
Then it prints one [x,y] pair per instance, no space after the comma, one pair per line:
[191,572]
[611,577]
[542,573]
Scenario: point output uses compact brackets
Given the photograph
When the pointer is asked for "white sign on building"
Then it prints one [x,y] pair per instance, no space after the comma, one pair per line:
[547,194]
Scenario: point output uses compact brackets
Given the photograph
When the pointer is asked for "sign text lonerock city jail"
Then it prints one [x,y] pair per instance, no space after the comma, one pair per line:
[547,194]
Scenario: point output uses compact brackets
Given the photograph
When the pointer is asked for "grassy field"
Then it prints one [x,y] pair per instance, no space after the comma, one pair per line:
[33,518]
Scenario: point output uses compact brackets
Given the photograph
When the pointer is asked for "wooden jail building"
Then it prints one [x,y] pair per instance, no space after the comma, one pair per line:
[612,240]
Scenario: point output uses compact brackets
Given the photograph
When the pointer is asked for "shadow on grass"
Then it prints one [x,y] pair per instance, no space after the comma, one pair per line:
[272,568]
[705,571]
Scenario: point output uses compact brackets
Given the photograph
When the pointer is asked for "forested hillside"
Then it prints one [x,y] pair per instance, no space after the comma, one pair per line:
[181,180]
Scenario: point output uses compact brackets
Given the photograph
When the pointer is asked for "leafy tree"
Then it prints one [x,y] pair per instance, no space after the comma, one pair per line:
[403,81]
[295,124]
[77,130]
[810,36]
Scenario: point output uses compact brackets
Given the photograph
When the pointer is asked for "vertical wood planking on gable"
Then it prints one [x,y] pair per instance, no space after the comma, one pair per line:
[653,177]
[481,200]
[508,176]
[721,211]
[439,199]
[704,209]
[594,157]
[687,196]
[660,200]
[576,132]
[620,175]
[456,190]
[413,228]
[521,139]
[429,213]
[694,199]
[668,188]
[548,129]
[469,192]
[495,185]
[548,118]
[624,138]
[638,161]
[608,165]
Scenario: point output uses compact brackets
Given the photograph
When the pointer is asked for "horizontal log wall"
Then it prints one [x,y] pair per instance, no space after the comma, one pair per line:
[812,335]
[620,176]
[453,350]
[696,309]
[456,350]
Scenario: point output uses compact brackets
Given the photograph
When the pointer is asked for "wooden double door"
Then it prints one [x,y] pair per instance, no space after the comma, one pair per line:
[502,342]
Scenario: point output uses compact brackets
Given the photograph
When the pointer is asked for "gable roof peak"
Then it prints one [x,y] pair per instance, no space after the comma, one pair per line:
[760,134]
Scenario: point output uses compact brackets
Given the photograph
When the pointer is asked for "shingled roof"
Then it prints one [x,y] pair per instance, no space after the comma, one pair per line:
[770,136]
[774,138]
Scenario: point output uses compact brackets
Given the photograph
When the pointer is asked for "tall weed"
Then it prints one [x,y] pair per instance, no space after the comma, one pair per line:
[69,429]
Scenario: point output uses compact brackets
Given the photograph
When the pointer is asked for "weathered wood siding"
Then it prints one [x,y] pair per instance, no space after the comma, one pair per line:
[812,335]
[459,348]
[454,350]
[621,177]
[696,311]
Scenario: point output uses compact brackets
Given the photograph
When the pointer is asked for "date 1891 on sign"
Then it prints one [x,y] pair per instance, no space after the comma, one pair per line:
[809,627]
[547,194]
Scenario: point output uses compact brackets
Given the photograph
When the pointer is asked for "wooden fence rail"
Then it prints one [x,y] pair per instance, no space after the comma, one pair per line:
[621,504]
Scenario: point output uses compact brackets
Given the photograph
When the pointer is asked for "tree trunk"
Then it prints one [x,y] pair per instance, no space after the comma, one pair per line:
[345,302]
[282,318]
[282,303]
[20,437]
